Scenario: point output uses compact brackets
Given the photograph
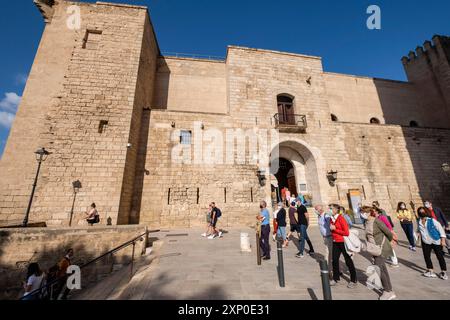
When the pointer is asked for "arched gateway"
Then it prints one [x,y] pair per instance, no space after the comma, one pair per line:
[300,168]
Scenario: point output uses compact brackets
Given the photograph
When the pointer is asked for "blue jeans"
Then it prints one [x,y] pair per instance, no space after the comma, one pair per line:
[304,237]
[408,228]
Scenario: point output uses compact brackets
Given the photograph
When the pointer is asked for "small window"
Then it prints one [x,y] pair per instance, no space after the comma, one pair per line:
[334,118]
[375,121]
[92,39]
[186,137]
[414,124]
[102,126]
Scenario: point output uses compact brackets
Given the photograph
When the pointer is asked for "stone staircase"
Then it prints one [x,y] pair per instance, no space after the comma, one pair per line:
[313,219]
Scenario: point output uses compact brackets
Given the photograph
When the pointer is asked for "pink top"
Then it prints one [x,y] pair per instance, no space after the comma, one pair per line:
[385,221]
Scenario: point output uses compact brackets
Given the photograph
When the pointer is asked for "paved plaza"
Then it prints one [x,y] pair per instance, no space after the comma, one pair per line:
[187,266]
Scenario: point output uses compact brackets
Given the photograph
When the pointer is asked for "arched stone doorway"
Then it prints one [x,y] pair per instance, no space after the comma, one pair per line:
[293,162]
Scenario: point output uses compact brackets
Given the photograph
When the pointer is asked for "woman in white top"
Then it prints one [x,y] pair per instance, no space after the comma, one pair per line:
[433,238]
[35,281]
[92,215]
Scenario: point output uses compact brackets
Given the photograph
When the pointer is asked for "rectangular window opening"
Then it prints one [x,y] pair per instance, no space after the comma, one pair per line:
[91,39]
[186,137]
[225,194]
[168,197]
[102,126]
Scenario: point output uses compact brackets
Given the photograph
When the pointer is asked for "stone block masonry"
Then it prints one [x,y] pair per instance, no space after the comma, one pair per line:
[105,102]
[46,246]
[103,78]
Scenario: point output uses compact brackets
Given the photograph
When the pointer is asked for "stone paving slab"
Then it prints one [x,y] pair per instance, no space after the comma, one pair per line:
[216,269]
[192,267]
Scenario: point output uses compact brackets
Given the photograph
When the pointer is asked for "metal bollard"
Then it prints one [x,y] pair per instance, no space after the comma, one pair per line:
[325,274]
[280,264]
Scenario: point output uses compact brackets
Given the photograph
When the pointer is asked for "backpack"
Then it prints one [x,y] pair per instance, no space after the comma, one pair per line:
[432,230]
[218,213]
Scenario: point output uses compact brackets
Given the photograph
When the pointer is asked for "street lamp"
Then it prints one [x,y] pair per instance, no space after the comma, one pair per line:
[332,177]
[446,169]
[41,156]
[76,188]
[261,173]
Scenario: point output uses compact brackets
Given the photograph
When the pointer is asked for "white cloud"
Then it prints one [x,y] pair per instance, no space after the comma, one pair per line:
[10,102]
[6,119]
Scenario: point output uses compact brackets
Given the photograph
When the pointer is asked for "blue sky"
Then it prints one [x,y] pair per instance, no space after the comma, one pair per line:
[334,30]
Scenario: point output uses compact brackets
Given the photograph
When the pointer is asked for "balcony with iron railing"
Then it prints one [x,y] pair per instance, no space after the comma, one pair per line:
[291,123]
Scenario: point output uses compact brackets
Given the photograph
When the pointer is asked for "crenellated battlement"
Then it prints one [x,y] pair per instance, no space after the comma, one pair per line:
[46,8]
[429,48]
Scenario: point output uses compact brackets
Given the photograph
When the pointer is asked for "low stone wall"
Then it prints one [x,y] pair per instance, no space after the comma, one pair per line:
[19,247]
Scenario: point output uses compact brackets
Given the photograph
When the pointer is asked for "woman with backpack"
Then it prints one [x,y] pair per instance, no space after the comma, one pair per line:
[406,219]
[433,239]
[379,239]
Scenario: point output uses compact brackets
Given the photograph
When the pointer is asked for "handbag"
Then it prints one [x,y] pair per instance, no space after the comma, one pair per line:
[371,247]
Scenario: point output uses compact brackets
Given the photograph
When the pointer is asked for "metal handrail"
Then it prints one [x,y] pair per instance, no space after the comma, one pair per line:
[192,56]
[117,249]
[290,119]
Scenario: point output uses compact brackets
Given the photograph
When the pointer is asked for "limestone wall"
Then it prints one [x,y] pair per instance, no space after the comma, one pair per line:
[191,85]
[358,99]
[102,72]
[46,246]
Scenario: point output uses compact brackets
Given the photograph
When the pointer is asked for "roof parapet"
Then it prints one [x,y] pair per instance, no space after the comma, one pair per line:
[420,51]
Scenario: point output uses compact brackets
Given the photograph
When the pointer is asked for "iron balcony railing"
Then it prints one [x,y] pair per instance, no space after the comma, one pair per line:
[48,288]
[291,120]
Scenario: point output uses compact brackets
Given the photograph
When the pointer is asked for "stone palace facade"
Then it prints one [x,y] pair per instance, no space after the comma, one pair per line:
[112,110]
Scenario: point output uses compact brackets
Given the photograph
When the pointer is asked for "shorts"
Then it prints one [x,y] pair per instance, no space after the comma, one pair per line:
[295,228]
[281,232]
[208,218]
[214,223]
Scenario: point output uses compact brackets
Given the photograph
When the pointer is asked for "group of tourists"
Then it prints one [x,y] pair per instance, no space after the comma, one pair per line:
[50,285]
[340,239]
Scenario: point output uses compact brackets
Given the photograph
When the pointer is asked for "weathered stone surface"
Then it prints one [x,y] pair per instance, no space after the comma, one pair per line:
[111,72]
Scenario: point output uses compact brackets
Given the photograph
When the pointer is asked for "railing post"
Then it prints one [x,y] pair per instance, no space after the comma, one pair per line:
[132,260]
[325,275]
[280,264]
[258,245]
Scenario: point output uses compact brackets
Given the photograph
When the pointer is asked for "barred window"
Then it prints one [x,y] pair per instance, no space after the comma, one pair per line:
[186,137]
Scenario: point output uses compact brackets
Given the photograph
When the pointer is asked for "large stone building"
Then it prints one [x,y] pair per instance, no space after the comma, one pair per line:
[108,105]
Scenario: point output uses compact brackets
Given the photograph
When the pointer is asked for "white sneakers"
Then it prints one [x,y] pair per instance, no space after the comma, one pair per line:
[388,296]
[211,237]
[429,274]
[220,234]
[443,275]
[204,235]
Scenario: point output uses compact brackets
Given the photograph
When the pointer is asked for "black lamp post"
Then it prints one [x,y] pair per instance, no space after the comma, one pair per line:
[446,169]
[76,188]
[41,156]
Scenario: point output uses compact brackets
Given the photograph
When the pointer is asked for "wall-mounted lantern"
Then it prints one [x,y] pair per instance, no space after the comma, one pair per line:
[261,173]
[332,177]
[446,169]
